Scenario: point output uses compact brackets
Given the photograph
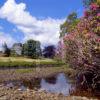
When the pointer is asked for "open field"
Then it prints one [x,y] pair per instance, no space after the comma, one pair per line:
[26,62]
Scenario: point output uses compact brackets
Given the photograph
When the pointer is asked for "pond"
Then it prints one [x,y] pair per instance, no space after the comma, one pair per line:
[59,83]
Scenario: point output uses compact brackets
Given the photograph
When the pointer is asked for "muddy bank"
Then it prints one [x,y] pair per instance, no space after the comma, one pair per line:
[31,73]
[51,83]
[15,94]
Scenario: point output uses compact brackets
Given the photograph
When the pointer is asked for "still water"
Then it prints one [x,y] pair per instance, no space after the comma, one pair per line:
[59,83]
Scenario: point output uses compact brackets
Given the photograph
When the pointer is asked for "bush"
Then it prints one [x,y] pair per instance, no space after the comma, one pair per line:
[82,47]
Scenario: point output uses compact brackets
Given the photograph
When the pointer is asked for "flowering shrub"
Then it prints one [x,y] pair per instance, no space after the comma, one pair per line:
[94,6]
[98,14]
[82,47]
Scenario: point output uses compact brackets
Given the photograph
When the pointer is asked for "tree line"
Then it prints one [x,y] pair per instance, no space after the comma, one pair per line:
[31,49]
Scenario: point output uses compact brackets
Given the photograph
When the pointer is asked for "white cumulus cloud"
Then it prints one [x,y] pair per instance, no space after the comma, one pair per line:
[5,38]
[46,30]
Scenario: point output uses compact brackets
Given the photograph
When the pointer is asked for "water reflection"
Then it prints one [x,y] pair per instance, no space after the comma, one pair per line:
[56,84]
[59,83]
[62,85]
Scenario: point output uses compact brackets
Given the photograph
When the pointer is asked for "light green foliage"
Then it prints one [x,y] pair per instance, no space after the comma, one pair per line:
[69,24]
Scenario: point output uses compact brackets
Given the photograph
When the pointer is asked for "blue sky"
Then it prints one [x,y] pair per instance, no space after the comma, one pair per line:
[53,8]
[21,20]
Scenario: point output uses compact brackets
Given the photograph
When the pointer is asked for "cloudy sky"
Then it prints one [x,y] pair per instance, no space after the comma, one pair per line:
[21,20]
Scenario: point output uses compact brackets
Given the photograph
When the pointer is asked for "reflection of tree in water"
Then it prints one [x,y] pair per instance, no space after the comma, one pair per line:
[51,80]
[31,84]
[35,83]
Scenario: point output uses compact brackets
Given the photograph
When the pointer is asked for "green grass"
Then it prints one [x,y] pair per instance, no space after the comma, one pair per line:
[24,70]
[26,62]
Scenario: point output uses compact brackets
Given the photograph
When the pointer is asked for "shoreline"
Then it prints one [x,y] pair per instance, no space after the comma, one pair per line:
[15,94]
[8,93]
[31,73]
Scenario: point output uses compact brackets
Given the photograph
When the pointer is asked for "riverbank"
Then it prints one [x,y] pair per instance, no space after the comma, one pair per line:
[22,62]
[29,76]
[15,94]
[31,73]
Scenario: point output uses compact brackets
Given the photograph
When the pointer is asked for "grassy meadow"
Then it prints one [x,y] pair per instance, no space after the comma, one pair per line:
[26,62]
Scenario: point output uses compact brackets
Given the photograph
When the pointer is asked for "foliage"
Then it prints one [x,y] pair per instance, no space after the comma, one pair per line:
[69,24]
[82,47]
[86,3]
[6,50]
[49,51]
[32,49]
[38,49]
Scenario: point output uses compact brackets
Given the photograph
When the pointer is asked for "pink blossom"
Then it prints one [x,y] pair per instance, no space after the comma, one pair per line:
[94,6]
[97,39]
[86,14]
[98,14]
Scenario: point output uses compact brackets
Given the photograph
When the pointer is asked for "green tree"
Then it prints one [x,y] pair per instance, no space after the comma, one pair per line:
[6,50]
[49,51]
[32,49]
[69,24]
[38,49]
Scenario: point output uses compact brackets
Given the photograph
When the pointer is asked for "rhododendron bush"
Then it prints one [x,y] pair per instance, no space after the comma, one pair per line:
[82,47]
